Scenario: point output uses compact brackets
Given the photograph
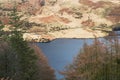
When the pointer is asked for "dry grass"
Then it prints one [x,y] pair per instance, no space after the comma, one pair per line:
[37,29]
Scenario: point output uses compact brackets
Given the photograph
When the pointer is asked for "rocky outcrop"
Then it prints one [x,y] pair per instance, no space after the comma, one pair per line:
[51,19]
[32,37]
[68,33]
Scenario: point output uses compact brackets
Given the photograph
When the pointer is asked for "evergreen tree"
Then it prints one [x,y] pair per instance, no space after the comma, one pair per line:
[24,58]
[8,62]
[28,66]
[17,60]
[27,58]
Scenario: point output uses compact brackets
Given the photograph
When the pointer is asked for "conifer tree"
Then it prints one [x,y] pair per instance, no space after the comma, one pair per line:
[18,61]
[27,58]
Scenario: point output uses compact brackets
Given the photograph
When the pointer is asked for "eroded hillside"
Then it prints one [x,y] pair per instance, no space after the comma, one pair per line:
[50,19]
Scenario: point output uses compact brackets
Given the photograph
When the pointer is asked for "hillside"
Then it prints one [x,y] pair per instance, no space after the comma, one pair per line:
[50,19]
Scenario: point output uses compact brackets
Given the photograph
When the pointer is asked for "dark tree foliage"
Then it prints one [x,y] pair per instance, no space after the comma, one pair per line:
[17,60]
[27,57]
[1,26]
[9,66]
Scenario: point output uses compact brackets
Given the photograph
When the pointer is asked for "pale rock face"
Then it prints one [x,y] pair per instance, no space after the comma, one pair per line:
[31,37]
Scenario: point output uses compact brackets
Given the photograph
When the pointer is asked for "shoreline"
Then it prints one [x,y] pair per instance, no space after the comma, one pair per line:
[78,33]
[50,38]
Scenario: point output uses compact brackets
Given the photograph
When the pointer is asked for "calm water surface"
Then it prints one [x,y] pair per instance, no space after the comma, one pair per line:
[61,52]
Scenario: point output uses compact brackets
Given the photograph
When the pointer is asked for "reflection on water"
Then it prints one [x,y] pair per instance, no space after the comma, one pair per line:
[61,52]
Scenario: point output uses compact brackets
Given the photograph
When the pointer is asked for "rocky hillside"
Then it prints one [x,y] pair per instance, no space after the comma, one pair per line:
[50,19]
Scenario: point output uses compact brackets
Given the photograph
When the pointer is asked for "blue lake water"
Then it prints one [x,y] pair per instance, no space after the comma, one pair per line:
[61,52]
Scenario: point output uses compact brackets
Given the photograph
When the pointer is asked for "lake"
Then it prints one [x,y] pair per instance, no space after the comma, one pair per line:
[61,52]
